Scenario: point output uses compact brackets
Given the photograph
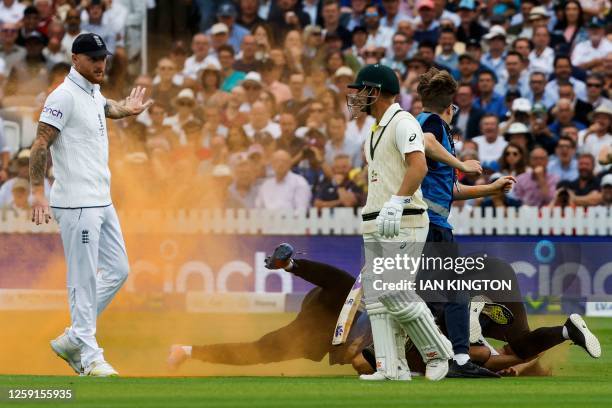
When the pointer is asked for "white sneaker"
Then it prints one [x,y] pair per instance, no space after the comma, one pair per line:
[176,357]
[436,369]
[67,351]
[580,334]
[100,369]
[403,375]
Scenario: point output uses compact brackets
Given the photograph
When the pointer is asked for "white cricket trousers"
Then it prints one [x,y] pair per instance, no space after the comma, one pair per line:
[97,268]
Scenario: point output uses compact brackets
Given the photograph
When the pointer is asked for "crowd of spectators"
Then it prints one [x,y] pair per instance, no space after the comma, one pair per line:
[250,109]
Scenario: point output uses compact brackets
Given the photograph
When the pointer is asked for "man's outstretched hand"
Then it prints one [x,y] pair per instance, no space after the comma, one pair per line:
[134,103]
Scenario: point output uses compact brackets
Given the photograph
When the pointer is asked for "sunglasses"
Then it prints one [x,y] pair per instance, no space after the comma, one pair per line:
[594,85]
[512,153]
[185,103]
[564,146]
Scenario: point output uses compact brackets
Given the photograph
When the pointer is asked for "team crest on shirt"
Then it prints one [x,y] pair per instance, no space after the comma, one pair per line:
[374,176]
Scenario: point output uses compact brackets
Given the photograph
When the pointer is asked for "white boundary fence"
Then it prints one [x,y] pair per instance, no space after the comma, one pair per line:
[592,221]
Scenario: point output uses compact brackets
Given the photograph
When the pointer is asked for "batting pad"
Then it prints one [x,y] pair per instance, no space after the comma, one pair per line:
[384,334]
[418,322]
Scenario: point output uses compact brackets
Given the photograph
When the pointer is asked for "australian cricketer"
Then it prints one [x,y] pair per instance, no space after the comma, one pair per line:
[395,213]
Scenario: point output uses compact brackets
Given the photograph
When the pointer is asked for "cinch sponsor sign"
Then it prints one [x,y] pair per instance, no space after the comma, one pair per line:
[53,112]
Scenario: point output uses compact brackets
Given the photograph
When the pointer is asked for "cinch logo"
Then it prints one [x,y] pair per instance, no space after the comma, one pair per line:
[53,112]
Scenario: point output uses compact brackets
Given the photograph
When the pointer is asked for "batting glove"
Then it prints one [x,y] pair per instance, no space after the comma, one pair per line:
[390,216]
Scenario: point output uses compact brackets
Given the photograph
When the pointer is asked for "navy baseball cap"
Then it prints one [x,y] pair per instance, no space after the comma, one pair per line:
[596,22]
[227,10]
[91,45]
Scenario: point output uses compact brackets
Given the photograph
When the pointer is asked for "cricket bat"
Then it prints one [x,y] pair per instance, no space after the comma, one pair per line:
[347,314]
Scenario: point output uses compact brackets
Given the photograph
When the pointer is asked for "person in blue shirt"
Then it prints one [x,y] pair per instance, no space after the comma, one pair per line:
[440,187]
[488,100]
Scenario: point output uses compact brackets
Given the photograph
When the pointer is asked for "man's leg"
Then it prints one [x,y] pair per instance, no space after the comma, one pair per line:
[113,260]
[80,231]
[385,329]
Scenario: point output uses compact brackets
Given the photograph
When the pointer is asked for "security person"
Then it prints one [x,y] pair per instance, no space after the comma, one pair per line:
[440,187]
[395,213]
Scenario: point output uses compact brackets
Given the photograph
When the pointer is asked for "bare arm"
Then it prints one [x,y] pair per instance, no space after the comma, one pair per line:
[45,136]
[435,151]
[416,169]
[132,105]
[468,192]
[593,198]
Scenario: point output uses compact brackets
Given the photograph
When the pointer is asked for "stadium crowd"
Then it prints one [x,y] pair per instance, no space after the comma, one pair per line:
[250,107]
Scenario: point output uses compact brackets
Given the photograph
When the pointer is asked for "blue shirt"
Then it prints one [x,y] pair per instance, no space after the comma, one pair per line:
[496,106]
[569,173]
[437,186]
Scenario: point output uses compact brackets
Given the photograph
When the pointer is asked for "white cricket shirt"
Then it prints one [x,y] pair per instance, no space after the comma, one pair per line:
[80,153]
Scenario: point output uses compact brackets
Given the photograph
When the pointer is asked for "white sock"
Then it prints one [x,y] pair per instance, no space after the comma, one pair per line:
[187,350]
[565,333]
[461,358]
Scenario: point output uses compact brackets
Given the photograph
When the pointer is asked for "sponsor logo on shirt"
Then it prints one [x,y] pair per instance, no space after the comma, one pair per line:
[53,112]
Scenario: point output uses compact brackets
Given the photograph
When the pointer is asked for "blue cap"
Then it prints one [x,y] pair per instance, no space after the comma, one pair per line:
[596,22]
[467,5]
[227,10]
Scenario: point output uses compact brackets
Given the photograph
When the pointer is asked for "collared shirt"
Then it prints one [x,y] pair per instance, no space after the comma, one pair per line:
[12,14]
[494,64]
[80,153]
[585,52]
[496,105]
[382,38]
[547,99]
[291,193]
[522,85]
[579,88]
[350,148]
[565,173]
[542,62]
[311,10]
[451,61]
[528,191]
[236,35]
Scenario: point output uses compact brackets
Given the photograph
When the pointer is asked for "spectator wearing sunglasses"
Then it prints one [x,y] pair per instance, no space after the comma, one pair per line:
[10,52]
[595,86]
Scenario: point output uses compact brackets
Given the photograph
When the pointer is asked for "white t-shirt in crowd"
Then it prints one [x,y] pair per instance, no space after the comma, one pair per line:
[272,128]
[490,152]
[12,14]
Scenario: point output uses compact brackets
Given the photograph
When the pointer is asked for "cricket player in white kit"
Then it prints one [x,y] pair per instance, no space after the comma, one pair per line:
[395,213]
[73,125]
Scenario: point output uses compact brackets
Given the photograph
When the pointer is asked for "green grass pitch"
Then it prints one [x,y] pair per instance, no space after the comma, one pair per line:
[578,381]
